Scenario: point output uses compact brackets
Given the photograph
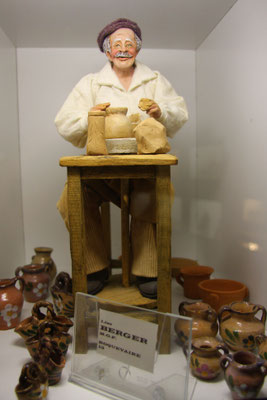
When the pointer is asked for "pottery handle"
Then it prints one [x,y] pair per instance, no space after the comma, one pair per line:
[223,347]
[185,347]
[263,317]
[225,360]
[222,311]
[179,279]
[18,271]
[181,307]
[211,315]
[36,312]
[21,283]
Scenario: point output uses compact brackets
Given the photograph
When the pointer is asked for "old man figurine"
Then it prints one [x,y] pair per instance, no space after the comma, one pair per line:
[122,82]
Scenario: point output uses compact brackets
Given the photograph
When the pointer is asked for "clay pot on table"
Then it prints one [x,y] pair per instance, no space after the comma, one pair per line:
[36,281]
[205,357]
[244,373]
[11,302]
[62,295]
[219,292]
[204,321]
[43,256]
[190,277]
[239,326]
[33,382]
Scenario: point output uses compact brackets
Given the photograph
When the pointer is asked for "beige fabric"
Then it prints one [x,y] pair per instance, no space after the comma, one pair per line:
[71,120]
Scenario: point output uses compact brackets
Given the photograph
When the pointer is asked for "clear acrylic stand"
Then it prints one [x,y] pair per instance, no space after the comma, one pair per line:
[167,378]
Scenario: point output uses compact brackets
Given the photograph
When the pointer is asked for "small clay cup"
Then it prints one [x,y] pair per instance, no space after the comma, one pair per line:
[220,292]
[177,263]
[190,277]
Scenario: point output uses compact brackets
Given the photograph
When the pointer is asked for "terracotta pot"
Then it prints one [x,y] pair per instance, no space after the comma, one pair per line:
[11,302]
[204,321]
[219,292]
[190,277]
[244,373]
[43,256]
[33,382]
[205,357]
[239,325]
[177,263]
[62,295]
[36,281]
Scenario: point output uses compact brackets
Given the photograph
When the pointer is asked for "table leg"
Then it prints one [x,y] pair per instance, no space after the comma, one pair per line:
[125,232]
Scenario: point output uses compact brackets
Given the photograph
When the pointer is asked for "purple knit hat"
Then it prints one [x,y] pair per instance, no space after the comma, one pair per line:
[113,26]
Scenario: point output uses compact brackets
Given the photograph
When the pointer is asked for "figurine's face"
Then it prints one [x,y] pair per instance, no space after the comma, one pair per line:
[123,49]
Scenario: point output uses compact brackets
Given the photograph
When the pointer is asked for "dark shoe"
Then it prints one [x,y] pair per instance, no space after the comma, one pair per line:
[96,281]
[148,287]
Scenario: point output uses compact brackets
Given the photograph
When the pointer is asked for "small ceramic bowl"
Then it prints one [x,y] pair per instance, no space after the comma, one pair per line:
[219,292]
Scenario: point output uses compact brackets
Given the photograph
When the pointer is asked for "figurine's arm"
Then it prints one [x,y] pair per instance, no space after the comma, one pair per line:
[173,108]
[72,119]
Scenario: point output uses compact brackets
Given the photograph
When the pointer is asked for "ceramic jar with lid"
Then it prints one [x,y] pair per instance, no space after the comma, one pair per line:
[204,321]
[36,281]
[244,373]
[240,324]
[117,124]
[205,357]
[11,302]
[43,256]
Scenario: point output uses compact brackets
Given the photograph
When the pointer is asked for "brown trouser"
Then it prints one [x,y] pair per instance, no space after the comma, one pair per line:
[143,228]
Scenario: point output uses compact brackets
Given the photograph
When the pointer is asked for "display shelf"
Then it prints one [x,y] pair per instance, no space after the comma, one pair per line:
[14,354]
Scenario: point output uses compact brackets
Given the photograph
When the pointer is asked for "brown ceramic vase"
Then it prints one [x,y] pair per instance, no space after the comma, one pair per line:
[244,373]
[36,281]
[205,357]
[204,321]
[43,256]
[239,326]
[11,302]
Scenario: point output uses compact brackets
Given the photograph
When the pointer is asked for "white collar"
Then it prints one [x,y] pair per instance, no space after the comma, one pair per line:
[142,73]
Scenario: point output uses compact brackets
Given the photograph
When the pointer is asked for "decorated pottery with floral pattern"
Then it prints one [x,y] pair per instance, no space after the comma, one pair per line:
[36,279]
[244,373]
[33,382]
[11,302]
[239,324]
[204,321]
[205,357]
[62,295]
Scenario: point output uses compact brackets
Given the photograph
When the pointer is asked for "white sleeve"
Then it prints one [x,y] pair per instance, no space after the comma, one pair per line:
[173,108]
[72,119]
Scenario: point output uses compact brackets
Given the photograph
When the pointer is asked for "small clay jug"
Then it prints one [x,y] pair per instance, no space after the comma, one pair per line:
[51,358]
[36,281]
[244,373]
[190,277]
[261,341]
[48,328]
[205,357]
[239,325]
[204,321]
[29,326]
[33,382]
[117,124]
[43,256]
[11,302]
[62,295]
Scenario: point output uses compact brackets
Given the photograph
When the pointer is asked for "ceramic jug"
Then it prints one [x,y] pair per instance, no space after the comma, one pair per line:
[36,281]
[205,357]
[117,125]
[239,325]
[43,256]
[204,321]
[11,302]
[33,382]
[62,295]
[244,373]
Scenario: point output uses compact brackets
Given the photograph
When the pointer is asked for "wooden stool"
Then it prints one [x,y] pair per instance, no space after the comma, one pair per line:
[124,167]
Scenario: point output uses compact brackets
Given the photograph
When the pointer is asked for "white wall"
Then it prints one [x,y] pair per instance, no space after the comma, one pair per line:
[45,78]
[11,222]
[232,147]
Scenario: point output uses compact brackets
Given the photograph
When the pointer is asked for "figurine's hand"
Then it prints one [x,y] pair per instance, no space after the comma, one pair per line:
[154,111]
[100,107]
